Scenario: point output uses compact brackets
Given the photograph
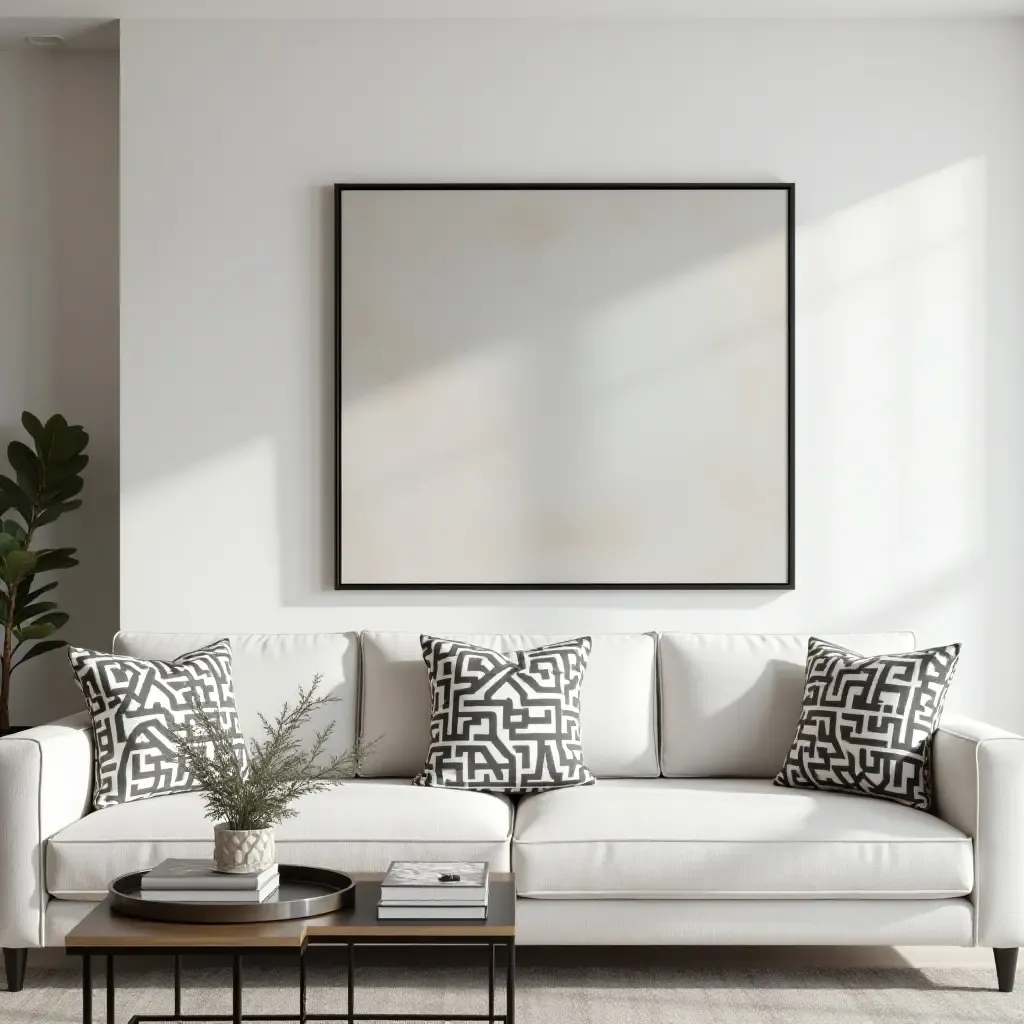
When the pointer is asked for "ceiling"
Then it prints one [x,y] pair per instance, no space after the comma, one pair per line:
[78,33]
[98,11]
[92,24]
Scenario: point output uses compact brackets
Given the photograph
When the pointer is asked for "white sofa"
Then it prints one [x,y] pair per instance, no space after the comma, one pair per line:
[684,839]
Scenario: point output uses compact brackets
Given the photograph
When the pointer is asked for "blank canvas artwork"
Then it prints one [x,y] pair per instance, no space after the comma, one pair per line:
[564,386]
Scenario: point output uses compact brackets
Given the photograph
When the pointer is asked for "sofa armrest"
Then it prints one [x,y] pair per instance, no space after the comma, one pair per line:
[979,788]
[45,784]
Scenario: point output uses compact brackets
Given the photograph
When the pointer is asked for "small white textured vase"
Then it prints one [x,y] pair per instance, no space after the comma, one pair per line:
[242,850]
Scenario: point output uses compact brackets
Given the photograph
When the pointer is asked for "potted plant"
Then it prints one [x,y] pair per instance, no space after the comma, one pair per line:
[47,478]
[248,804]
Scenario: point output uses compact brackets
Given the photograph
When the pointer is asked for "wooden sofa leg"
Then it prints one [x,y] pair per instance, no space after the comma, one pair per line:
[14,966]
[1006,967]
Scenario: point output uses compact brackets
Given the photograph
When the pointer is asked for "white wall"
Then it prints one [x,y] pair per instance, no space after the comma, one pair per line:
[904,139]
[59,321]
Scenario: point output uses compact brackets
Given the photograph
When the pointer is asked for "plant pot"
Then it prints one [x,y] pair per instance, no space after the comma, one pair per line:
[242,851]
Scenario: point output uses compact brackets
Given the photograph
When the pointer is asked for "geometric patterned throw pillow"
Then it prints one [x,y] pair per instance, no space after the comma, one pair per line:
[137,708]
[506,723]
[868,723]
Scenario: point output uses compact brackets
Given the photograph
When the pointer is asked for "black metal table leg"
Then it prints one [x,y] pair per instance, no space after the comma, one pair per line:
[351,983]
[236,990]
[110,989]
[177,984]
[237,1016]
[510,985]
[490,982]
[86,990]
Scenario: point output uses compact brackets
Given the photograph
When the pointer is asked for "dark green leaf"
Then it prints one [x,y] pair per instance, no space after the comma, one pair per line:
[32,595]
[22,613]
[55,558]
[26,464]
[40,648]
[64,470]
[79,440]
[15,497]
[69,443]
[54,620]
[62,490]
[8,544]
[7,484]
[53,426]
[61,441]
[36,631]
[52,512]
[34,427]
[19,563]
[47,443]
[14,529]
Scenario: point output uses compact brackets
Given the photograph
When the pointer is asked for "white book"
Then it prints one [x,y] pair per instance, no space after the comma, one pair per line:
[213,895]
[180,873]
[398,912]
[432,901]
[406,898]
[411,881]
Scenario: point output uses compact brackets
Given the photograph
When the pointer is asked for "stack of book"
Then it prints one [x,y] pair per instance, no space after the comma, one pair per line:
[196,881]
[418,890]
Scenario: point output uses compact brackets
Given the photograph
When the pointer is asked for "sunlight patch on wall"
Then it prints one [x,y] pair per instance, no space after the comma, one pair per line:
[891,332]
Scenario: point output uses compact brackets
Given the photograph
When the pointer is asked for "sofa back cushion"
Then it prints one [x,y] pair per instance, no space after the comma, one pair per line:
[618,702]
[268,669]
[730,702]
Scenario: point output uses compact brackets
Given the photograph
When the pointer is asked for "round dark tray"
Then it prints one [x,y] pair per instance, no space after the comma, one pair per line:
[304,892]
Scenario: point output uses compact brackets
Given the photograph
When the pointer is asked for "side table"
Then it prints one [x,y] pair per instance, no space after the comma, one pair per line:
[107,934]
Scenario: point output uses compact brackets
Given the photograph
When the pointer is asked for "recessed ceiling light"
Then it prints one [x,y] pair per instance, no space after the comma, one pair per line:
[45,40]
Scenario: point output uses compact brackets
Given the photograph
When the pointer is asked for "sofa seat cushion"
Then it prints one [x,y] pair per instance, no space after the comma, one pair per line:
[732,839]
[360,826]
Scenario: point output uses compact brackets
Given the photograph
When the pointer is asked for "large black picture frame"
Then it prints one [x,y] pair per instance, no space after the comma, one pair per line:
[788,583]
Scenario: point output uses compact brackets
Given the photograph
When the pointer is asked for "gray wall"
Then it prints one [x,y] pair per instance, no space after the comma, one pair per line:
[59,319]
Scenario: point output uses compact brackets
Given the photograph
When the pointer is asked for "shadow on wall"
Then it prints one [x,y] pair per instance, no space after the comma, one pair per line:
[59,321]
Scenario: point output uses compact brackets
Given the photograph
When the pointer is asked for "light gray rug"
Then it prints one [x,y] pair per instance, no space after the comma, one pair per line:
[551,994]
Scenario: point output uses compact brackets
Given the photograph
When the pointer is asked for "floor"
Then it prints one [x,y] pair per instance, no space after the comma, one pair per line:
[693,986]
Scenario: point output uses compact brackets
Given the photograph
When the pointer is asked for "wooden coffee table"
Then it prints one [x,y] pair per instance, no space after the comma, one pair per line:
[107,934]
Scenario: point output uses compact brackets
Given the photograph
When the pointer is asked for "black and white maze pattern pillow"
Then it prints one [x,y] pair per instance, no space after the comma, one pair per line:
[868,723]
[505,722]
[138,706]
